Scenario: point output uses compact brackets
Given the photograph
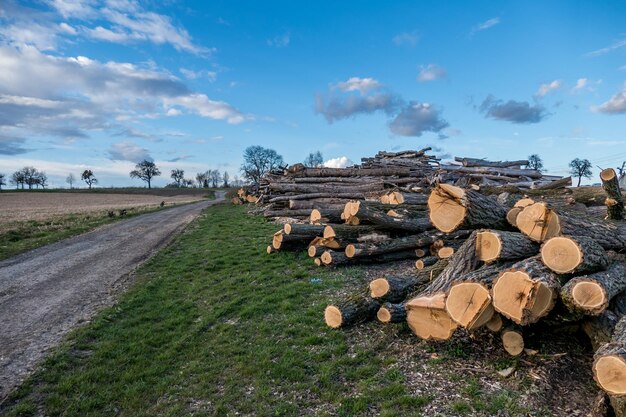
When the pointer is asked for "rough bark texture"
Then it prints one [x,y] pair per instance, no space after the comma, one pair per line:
[407,224]
[525,292]
[330,257]
[310,230]
[354,172]
[615,200]
[351,310]
[573,254]
[347,232]
[326,215]
[310,196]
[600,329]
[426,261]
[540,222]
[474,162]
[397,244]
[391,313]
[397,288]
[591,294]
[452,207]
[498,245]
[325,188]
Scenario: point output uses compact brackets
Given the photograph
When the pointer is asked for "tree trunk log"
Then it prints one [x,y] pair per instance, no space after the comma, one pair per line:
[609,366]
[614,201]
[569,255]
[496,245]
[525,292]
[513,340]
[354,172]
[553,185]
[540,222]
[310,230]
[330,257]
[365,212]
[474,162]
[350,233]
[391,313]
[396,289]
[318,203]
[326,215]
[451,207]
[592,293]
[311,196]
[426,261]
[511,172]
[292,242]
[426,313]
[351,310]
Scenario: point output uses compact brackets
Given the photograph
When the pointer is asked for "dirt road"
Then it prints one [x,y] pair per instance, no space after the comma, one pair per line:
[47,292]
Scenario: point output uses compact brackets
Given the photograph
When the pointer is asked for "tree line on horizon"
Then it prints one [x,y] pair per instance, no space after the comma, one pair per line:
[258,161]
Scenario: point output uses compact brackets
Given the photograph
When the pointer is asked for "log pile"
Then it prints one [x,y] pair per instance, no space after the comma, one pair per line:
[396,178]
[509,268]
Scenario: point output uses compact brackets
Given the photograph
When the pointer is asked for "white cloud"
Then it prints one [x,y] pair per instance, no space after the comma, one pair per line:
[362,85]
[610,48]
[546,88]
[485,25]
[615,105]
[280,41]
[586,85]
[581,83]
[431,72]
[128,151]
[194,75]
[406,38]
[341,162]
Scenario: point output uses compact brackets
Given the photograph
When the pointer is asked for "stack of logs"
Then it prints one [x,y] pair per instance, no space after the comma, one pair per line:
[390,177]
[504,268]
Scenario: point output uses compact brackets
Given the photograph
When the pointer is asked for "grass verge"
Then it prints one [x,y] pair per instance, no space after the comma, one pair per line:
[214,326]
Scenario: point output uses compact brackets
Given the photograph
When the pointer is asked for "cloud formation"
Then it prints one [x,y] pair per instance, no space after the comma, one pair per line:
[610,48]
[431,72]
[417,118]
[128,151]
[280,41]
[485,25]
[341,162]
[615,105]
[546,88]
[78,93]
[406,38]
[407,119]
[11,145]
[512,111]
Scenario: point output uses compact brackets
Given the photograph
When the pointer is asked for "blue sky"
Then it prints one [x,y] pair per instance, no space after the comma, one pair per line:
[102,84]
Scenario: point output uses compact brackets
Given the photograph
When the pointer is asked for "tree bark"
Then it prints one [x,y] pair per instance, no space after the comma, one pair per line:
[609,366]
[310,230]
[615,201]
[591,294]
[351,310]
[497,245]
[326,215]
[569,255]
[529,173]
[407,224]
[312,196]
[540,222]
[474,162]
[354,172]
[330,257]
[396,289]
[451,207]
[513,340]
[391,313]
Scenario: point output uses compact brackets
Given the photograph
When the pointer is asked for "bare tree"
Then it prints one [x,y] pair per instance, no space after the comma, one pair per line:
[225,179]
[188,182]
[42,179]
[580,168]
[30,176]
[622,170]
[202,178]
[535,162]
[17,179]
[89,177]
[314,160]
[258,161]
[70,179]
[178,175]
[215,177]
[145,171]
[2,180]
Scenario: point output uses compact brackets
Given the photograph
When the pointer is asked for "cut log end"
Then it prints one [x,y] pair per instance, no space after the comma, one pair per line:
[326,258]
[513,342]
[383,315]
[332,316]
[419,264]
[561,254]
[495,323]
[538,222]
[445,209]
[329,232]
[312,251]
[379,287]
[488,246]
[589,295]
[317,261]
[350,250]
[610,372]
[316,216]
[608,174]
[430,324]
[466,302]
[445,252]
[511,215]
[287,228]
[520,298]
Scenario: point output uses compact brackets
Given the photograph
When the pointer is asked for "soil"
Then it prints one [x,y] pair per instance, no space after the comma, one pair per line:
[47,292]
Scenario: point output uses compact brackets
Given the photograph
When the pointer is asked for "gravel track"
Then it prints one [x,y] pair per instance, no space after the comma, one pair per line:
[46,292]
